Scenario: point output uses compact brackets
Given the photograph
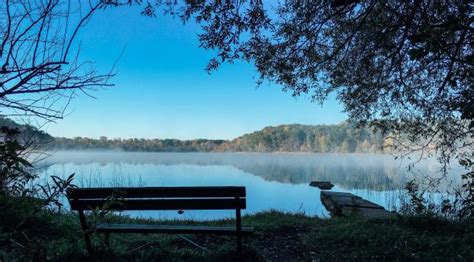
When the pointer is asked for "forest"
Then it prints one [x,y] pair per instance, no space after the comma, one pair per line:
[339,138]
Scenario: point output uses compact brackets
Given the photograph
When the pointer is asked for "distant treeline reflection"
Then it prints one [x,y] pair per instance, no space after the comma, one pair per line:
[350,171]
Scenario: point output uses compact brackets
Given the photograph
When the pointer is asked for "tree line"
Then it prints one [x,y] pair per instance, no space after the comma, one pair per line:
[338,138]
[341,138]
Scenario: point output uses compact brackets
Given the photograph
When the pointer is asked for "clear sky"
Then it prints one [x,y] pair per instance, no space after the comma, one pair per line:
[162,90]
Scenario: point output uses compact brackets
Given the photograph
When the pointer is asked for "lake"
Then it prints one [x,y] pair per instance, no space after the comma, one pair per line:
[273,181]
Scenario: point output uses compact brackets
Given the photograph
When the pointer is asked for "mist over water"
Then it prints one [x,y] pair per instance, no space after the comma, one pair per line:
[273,181]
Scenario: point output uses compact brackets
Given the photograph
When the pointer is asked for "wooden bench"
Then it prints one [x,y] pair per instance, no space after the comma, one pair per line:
[160,198]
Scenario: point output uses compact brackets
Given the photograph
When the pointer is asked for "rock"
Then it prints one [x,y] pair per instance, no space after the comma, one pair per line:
[323,185]
[347,204]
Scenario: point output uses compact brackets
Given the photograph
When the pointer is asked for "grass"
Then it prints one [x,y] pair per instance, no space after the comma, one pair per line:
[279,236]
[409,238]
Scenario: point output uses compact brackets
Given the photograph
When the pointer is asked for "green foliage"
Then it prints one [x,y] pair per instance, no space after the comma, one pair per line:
[28,232]
[17,174]
[14,168]
[51,192]
[26,220]
[417,202]
[457,205]
[467,195]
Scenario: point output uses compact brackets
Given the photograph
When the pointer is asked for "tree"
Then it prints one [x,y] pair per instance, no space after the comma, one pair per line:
[405,67]
[40,70]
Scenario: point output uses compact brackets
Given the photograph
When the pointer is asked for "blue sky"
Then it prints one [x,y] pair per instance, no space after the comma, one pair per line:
[162,90]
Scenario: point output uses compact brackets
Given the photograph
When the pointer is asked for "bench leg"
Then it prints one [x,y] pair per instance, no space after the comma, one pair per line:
[238,223]
[85,228]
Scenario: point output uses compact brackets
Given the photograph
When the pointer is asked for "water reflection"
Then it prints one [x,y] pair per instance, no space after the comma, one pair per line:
[273,181]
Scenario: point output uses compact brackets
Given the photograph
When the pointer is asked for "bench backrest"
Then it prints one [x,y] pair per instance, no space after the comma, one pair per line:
[158,198]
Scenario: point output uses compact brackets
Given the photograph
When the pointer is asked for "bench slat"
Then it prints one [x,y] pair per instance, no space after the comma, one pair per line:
[161,204]
[170,229]
[157,192]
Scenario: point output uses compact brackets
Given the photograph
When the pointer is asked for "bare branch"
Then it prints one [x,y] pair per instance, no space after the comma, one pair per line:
[38,76]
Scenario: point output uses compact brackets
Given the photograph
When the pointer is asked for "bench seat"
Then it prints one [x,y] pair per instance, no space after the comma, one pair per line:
[159,198]
[170,229]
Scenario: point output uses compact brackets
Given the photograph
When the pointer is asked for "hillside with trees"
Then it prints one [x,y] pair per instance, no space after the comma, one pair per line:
[341,138]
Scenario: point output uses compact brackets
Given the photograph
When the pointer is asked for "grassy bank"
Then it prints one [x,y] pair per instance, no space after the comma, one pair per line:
[278,237]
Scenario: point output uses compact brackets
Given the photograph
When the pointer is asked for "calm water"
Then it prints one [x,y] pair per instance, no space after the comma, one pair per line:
[273,181]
